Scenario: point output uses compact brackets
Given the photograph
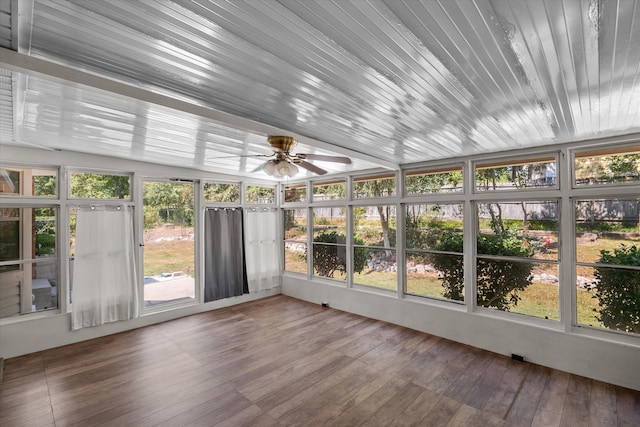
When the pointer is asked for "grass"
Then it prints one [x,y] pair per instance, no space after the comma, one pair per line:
[167,257]
[295,262]
[538,300]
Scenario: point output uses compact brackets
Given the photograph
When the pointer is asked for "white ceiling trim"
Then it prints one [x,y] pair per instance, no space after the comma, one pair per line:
[30,65]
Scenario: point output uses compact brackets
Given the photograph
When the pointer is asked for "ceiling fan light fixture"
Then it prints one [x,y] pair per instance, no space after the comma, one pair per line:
[286,168]
[270,168]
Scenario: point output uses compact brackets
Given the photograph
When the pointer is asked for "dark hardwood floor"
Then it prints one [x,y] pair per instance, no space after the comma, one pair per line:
[280,361]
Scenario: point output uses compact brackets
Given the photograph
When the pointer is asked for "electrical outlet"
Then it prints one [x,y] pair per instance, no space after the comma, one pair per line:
[325,304]
[517,357]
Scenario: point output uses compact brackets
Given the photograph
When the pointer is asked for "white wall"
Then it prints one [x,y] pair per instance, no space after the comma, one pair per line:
[614,362]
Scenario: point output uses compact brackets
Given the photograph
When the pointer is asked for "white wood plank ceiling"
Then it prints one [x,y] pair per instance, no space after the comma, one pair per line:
[387,82]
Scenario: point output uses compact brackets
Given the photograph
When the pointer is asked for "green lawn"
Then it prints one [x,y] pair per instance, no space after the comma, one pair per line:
[168,257]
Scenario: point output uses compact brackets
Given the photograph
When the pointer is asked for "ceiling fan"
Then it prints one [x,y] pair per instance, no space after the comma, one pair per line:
[285,163]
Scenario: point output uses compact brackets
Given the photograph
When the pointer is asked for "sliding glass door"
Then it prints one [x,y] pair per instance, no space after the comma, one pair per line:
[169,247]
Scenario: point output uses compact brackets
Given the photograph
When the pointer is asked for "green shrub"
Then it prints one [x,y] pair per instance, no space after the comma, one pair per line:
[46,243]
[498,281]
[618,290]
[329,258]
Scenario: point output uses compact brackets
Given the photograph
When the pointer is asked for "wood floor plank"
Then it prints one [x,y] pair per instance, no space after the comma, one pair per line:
[354,368]
[628,407]
[602,404]
[252,416]
[441,413]
[551,404]
[488,383]
[576,403]
[504,395]
[282,394]
[395,406]
[362,413]
[526,402]
[416,410]
[280,361]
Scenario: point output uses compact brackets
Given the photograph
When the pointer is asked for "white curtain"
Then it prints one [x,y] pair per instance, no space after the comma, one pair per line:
[262,249]
[105,280]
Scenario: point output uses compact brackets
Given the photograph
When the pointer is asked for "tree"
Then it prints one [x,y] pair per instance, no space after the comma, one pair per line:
[222,192]
[44,185]
[329,255]
[432,182]
[168,202]
[618,290]
[380,188]
[498,281]
[100,186]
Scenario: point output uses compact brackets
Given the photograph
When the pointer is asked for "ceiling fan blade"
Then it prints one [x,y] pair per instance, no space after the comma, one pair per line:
[259,168]
[245,156]
[308,166]
[336,159]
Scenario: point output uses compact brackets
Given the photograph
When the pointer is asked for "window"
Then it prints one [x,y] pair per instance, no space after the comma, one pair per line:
[329,242]
[295,240]
[221,193]
[28,260]
[28,182]
[169,247]
[295,193]
[434,250]
[374,254]
[607,166]
[85,185]
[443,180]
[374,186]
[516,175]
[517,257]
[329,190]
[259,195]
[608,263]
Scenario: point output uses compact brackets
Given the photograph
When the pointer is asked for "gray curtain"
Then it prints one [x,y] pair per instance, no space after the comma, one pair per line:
[225,274]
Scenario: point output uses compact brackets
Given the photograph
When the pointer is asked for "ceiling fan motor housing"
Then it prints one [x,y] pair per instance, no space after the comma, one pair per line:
[282,143]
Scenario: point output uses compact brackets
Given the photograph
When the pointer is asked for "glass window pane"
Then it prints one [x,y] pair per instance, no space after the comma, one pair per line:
[522,229]
[295,224]
[619,165]
[329,219]
[331,190]
[330,260]
[516,175]
[610,297]
[434,226]
[295,240]
[606,225]
[295,193]
[375,267]
[295,257]
[375,226]
[221,193]
[99,186]
[261,195]
[10,243]
[28,182]
[433,181]
[518,286]
[329,236]
[435,275]
[28,235]
[45,229]
[374,186]
[169,250]
[541,297]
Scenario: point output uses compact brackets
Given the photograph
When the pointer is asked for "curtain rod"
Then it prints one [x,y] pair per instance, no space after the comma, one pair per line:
[94,207]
